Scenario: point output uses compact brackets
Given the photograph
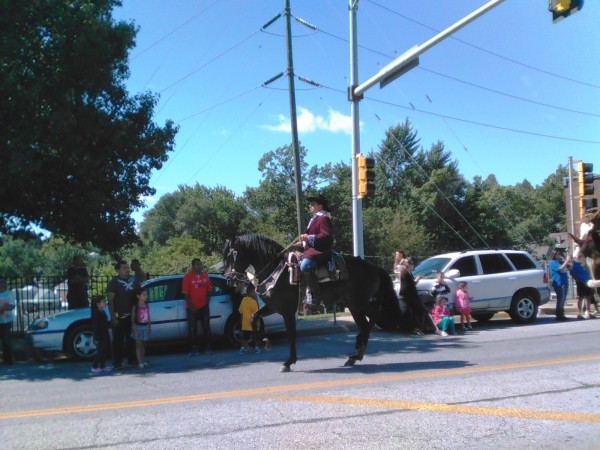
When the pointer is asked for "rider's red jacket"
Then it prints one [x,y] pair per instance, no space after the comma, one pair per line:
[320,242]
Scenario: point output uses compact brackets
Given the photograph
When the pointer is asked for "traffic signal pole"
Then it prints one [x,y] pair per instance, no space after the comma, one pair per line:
[357,218]
[573,231]
[389,73]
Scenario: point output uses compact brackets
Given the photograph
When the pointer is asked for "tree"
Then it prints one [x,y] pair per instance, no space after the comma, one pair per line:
[209,215]
[77,150]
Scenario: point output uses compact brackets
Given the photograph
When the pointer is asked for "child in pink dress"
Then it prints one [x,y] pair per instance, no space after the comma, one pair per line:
[441,317]
[141,325]
[462,303]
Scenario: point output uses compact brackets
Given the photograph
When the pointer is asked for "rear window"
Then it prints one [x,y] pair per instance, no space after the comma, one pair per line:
[164,290]
[219,286]
[494,263]
[521,261]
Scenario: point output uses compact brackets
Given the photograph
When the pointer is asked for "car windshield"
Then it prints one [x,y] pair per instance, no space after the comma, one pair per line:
[429,267]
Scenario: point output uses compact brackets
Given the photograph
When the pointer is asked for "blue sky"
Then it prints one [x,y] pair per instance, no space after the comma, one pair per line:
[511,94]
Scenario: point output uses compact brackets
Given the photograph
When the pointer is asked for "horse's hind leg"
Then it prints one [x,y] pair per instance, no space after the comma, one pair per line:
[364,325]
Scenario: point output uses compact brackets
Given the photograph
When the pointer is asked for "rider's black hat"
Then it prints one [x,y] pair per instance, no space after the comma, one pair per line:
[319,200]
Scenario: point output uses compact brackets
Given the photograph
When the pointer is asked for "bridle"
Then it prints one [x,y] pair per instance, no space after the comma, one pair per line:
[234,278]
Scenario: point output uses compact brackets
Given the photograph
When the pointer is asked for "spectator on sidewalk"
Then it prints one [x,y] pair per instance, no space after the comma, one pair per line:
[100,325]
[77,280]
[138,273]
[141,326]
[196,287]
[248,307]
[7,304]
[584,293]
[559,267]
[462,303]
[440,287]
[121,298]
[441,317]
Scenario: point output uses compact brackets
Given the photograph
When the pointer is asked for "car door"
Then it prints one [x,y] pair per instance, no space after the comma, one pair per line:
[221,305]
[470,274]
[499,279]
[165,300]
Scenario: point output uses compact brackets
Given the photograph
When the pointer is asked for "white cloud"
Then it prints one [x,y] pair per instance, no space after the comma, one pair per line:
[308,122]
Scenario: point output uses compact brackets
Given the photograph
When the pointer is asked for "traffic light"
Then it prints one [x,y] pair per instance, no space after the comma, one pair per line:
[586,186]
[366,175]
[563,8]
[586,178]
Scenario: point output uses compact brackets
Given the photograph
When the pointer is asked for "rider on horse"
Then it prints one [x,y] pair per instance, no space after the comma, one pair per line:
[317,242]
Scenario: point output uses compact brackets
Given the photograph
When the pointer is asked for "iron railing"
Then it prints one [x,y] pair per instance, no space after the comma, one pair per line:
[42,296]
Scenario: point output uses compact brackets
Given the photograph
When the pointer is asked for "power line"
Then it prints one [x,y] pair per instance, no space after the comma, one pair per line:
[497,127]
[220,55]
[177,28]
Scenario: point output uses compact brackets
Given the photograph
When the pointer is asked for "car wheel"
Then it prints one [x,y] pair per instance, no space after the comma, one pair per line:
[483,316]
[79,343]
[523,308]
[233,330]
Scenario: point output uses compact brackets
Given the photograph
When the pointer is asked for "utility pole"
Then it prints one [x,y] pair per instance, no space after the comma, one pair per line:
[357,216]
[293,120]
[571,209]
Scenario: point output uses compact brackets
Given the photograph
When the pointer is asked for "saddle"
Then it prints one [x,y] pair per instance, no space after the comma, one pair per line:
[334,270]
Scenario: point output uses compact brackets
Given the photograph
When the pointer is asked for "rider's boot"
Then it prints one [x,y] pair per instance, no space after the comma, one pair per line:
[311,281]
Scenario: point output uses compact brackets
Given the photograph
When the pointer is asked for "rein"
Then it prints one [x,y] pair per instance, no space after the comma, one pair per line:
[240,278]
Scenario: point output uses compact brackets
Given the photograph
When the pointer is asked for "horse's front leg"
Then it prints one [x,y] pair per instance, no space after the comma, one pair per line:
[289,319]
[257,336]
[365,325]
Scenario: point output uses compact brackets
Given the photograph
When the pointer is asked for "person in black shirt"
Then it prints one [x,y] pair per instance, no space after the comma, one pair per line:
[121,299]
[440,287]
[77,280]
[100,326]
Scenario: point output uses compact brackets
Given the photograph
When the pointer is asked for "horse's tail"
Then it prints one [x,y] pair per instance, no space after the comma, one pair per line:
[390,316]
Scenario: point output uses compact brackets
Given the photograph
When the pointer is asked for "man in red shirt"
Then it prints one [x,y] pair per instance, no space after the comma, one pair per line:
[196,287]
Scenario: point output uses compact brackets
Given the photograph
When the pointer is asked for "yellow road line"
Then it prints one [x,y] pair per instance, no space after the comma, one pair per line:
[267,391]
[446,408]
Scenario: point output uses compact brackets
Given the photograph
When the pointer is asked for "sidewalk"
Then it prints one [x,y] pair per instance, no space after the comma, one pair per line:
[315,326]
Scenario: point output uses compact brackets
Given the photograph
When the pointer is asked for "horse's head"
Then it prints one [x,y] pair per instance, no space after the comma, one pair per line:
[234,263]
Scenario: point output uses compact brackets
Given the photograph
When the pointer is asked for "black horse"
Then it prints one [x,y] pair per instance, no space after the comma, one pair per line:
[368,292]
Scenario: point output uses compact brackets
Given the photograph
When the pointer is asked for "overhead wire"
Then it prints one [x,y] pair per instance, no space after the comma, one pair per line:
[177,28]
[474,122]
[427,205]
[218,149]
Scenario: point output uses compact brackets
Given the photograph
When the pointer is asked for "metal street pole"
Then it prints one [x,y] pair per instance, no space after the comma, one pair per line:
[293,120]
[393,70]
[573,232]
[357,220]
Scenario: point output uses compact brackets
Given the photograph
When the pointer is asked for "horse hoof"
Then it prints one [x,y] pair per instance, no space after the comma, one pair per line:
[350,362]
[285,368]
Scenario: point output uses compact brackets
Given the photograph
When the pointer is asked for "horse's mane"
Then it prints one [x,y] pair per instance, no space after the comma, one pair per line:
[258,243]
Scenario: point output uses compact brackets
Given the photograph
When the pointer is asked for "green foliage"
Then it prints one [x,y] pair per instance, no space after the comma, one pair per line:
[206,215]
[386,230]
[176,256]
[78,150]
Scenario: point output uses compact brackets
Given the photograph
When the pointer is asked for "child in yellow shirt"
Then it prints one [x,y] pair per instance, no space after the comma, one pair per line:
[248,307]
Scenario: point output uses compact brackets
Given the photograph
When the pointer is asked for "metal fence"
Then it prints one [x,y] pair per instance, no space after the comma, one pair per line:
[42,296]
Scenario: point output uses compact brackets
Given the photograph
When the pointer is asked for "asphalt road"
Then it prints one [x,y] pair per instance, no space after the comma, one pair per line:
[500,386]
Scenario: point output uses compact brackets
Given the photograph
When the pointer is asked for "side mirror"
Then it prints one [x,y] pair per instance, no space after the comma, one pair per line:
[454,273]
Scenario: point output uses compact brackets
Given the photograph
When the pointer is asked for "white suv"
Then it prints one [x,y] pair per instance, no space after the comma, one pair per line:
[498,280]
